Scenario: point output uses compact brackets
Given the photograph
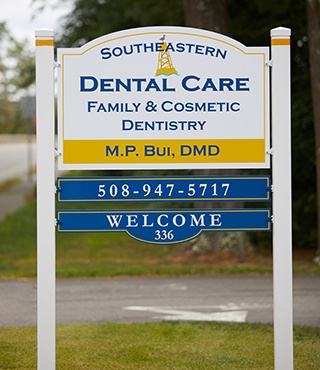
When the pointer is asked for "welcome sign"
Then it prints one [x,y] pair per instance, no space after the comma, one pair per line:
[164,227]
[163,97]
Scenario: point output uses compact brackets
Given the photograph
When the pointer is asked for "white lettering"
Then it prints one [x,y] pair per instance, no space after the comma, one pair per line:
[159,221]
[114,220]
[195,222]
[215,220]
[132,221]
[175,221]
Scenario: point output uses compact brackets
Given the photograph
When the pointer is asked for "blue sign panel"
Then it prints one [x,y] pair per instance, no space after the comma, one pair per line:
[154,189]
[164,227]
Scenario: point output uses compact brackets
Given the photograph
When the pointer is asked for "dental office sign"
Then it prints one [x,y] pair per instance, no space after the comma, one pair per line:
[163,97]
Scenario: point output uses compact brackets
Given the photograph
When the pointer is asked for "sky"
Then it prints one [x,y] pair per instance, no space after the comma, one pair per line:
[18,16]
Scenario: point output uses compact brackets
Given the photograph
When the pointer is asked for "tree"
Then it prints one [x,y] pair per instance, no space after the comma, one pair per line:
[93,18]
[213,15]
[249,22]
[313,20]
[16,64]
[210,15]
[16,72]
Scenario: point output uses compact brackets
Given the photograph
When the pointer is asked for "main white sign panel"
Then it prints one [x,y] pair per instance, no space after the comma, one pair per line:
[163,97]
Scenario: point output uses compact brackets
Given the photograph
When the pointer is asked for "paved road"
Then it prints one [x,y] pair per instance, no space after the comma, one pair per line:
[239,299]
[17,159]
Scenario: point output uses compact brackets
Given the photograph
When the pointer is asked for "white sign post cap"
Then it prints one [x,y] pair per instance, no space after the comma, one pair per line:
[280,32]
[44,33]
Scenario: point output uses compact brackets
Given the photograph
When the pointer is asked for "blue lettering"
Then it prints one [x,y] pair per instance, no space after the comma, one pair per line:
[185,150]
[127,125]
[199,107]
[190,47]
[209,84]
[199,49]
[159,46]
[129,149]
[165,86]
[112,151]
[149,151]
[152,85]
[105,84]
[139,82]
[105,53]
[126,85]
[225,82]
[180,47]
[92,86]
[210,50]
[117,51]
[241,84]
[91,105]
[204,150]
[221,53]
[128,52]
[169,47]
[232,107]
[185,81]
[101,108]
[164,108]
[138,46]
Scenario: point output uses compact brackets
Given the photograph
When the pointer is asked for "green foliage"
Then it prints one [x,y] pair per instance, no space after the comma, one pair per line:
[165,345]
[303,165]
[252,20]
[250,23]
[16,64]
[93,18]
[16,72]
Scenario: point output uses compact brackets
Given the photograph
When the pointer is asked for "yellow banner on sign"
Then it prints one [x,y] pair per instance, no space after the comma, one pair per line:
[164,151]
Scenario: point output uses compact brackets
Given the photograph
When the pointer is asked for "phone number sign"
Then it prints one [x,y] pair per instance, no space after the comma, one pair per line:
[159,189]
[165,97]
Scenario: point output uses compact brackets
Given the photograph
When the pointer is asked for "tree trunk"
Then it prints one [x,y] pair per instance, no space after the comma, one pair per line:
[313,20]
[212,15]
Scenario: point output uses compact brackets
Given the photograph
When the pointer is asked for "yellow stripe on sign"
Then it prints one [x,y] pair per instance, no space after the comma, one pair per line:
[280,42]
[163,151]
[44,42]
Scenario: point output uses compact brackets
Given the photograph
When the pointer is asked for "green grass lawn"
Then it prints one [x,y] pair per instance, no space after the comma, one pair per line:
[116,254]
[159,346]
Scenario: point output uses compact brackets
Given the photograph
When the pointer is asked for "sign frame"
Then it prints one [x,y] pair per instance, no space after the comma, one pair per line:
[147,117]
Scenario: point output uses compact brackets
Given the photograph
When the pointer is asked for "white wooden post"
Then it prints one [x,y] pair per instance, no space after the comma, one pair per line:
[46,243]
[281,179]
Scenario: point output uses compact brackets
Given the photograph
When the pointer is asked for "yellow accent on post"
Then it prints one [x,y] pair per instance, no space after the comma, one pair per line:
[163,151]
[44,42]
[280,42]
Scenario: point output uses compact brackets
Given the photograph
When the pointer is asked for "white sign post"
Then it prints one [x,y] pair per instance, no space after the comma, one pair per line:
[46,240]
[281,179]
